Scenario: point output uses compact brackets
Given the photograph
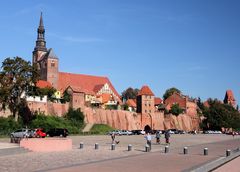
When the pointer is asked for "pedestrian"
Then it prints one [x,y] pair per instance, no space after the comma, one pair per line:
[167,136]
[158,135]
[113,137]
[233,134]
[148,137]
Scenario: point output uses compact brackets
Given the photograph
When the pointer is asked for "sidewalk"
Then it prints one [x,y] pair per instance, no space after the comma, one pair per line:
[175,161]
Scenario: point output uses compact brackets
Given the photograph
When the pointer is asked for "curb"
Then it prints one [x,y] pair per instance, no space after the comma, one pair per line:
[213,165]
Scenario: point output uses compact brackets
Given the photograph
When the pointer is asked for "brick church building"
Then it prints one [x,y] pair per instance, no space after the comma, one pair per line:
[83,88]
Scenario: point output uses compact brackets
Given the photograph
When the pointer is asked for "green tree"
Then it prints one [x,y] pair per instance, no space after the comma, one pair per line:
[176,110]
[76,116]
[220,115]
[130,93]
[16,79]
[170,92]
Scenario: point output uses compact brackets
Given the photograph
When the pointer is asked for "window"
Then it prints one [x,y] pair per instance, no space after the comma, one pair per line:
[150,111]
[145,104]
[149,105]
[146,111]
[52,64]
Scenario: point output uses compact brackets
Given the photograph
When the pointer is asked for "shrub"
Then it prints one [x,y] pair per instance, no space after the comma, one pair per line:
[75,116]
[48,122]
[8,125]
[176,110]
[100,129]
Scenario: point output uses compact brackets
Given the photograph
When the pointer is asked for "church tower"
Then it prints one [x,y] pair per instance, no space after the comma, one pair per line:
[46,60]
[40,48]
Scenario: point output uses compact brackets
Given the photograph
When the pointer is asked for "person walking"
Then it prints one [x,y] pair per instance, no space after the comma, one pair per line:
[113,136]
[158,135]
[167,136]
[148,137]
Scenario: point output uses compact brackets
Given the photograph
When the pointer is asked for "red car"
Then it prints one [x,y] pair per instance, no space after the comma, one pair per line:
[40,133]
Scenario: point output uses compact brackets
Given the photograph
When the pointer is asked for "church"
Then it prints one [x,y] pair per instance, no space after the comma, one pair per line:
[84,89]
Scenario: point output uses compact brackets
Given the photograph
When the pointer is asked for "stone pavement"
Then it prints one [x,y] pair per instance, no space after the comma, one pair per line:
[175,161]
[102,158]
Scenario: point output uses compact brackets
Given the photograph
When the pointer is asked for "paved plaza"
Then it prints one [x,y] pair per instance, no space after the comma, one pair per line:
[105,159]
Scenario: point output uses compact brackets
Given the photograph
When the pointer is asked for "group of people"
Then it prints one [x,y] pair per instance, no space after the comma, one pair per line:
[148,137]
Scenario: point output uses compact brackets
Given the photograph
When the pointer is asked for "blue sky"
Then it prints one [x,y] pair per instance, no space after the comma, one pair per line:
[192,45]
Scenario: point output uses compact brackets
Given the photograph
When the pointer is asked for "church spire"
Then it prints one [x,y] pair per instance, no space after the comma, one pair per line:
[40,43]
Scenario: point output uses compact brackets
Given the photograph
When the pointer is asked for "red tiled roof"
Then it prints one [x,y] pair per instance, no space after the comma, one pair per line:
[131,103]
[43,84]
[81,90]
[230,95]
[85,82]
[157,101]
[145,90]
[97,88]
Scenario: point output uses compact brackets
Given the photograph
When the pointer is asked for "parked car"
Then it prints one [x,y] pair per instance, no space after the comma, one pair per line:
[39,132]
[62,132]
[138,132]
[126,132]
[116,132]
[22,133]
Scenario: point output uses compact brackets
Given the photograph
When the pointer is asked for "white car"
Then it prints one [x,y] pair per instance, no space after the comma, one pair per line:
[126,132]
[116,132]
[22,133]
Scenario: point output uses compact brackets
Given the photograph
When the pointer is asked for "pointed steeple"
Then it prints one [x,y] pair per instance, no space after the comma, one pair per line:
[41,21]
[40,43]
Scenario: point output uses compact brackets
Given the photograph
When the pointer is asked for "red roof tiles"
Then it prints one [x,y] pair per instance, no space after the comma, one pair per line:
[43,84]
[85,82]
[157,101]
[145,90]
[131,103]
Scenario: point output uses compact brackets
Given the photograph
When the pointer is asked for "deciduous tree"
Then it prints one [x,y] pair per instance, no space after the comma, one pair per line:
[130,93]
[170,92]
[17,77]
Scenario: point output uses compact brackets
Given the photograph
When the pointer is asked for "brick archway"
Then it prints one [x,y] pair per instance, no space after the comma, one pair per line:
[147,128]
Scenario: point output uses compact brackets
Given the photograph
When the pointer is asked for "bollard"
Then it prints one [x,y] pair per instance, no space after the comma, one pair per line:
[96,146]
[185,150]
[205,151]
[129,147]
[166,149]
[147,148]
[81,145]
[113,147]
[228,153]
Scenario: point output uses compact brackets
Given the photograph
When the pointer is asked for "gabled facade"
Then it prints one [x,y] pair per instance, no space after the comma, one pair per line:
[189,106]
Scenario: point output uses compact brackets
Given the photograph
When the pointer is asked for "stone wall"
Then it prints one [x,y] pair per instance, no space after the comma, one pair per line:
[120,119]
[131,121]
